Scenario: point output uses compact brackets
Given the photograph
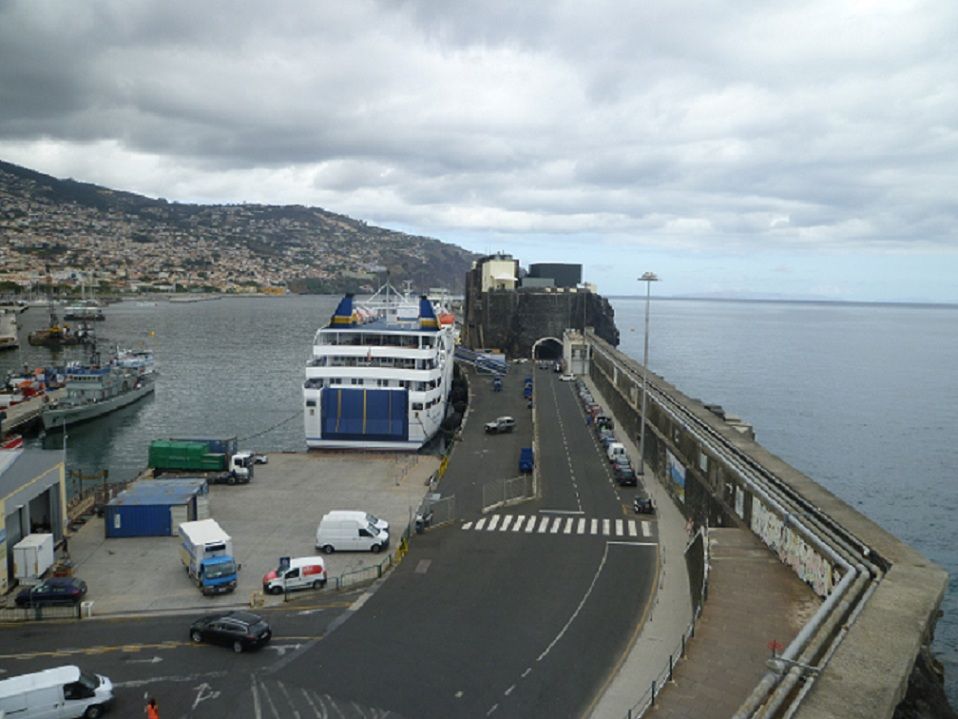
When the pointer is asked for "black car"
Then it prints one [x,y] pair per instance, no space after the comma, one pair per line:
[625,475]
[239,630]
[56,590]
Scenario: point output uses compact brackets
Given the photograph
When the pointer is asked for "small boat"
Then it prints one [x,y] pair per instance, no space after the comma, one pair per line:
[93,391]
[57,334]
[83,313]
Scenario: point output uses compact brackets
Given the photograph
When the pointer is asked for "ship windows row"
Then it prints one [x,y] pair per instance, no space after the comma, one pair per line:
[319,383]
[394,362]
[426,405]
[375,340]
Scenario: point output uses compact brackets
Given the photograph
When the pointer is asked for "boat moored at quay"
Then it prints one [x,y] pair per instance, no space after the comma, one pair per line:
[379,375]
[94,390]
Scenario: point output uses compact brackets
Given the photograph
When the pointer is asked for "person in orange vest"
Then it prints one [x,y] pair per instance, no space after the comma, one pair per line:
[152,711]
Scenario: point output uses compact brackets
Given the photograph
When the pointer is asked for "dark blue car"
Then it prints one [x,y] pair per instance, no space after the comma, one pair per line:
[57,590]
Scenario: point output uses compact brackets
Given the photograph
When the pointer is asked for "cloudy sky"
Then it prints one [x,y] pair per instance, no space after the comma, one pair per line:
[735,147]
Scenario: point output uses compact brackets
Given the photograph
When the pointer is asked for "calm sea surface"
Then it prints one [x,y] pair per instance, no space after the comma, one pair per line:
[862,398]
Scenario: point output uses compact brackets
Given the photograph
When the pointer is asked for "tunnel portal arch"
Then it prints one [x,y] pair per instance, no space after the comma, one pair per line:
[547,348]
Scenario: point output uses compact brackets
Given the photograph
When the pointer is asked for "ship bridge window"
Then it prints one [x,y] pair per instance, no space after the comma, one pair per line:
[417,405]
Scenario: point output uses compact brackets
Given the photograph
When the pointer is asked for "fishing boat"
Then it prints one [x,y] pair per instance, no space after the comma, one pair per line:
[84,312]
[93,391]
[379,375]
[139,359]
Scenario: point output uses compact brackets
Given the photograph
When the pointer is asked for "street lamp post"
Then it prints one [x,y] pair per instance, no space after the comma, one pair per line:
[648,278]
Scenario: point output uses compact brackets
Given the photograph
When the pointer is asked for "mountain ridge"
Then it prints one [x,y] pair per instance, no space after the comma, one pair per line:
[65,223]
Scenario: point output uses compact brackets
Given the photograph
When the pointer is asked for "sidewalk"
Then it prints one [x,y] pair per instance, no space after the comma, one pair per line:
[753,599]
[671,610]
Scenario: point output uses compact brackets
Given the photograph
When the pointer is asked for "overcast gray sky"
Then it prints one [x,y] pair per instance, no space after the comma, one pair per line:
[802,150]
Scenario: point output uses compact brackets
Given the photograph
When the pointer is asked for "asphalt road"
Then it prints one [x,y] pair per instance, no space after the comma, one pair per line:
[474,622]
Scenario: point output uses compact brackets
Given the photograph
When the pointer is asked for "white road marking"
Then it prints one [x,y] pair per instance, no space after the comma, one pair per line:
[480,524]
[531,524]
[624,543]
[618,528]
[556,524]
[605,527]
[467,526]
[581,528]
[568,526]
[578,609]
[646,529]
[519,521]
[543,525]
[493,523]
[594,527]
[506,521]
[359,602]
[633,530]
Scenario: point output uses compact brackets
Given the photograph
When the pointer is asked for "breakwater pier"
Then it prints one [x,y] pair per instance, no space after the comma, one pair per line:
[879,597]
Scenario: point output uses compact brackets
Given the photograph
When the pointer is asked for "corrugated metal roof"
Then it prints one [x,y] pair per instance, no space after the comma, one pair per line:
[160,492]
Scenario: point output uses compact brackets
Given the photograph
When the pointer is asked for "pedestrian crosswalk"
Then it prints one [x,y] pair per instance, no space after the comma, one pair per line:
[549,524]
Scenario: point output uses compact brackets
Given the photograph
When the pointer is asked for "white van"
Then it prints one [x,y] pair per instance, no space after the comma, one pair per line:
[59,693]
[344,533]
[365,517]
[616,449]
[298,573]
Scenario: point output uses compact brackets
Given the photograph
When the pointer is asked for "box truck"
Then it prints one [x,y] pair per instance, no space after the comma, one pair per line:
[217,461]
[207,554]
[32,557]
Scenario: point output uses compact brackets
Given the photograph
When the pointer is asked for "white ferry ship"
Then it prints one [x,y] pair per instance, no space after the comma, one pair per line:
[380,374]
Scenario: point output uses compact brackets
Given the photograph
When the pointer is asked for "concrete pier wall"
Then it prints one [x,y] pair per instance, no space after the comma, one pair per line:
[880,621]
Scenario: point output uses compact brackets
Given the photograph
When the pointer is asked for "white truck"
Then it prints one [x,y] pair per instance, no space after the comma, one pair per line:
[207,554]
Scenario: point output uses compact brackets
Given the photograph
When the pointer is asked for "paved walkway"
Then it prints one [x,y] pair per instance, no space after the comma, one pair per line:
[753,599]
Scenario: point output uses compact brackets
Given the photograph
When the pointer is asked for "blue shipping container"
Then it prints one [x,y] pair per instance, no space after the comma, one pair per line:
[146,508]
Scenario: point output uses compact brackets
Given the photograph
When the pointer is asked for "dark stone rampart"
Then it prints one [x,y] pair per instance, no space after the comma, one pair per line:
[512,320]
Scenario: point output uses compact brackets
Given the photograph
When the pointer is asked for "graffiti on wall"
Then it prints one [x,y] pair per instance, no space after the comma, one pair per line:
[792,549]
[676,472]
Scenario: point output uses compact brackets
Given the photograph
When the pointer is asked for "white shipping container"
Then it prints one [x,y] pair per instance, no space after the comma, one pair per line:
[32,556]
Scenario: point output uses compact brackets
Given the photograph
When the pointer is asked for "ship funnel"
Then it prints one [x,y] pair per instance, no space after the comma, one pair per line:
[427,317]
[343,316]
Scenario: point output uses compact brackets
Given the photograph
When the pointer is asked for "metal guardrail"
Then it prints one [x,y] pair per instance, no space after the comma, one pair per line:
[499,492]
[69,610]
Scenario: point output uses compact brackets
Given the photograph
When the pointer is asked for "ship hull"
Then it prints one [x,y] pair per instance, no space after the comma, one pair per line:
[55,418]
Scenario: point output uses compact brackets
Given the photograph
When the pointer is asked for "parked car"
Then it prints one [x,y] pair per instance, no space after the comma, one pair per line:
[500,425]
[643,504]
[56,590]
[625,475]
[237,629]
[567,378]
[621,460]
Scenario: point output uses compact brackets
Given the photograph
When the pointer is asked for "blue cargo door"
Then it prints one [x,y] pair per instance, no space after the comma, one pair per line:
[365,414]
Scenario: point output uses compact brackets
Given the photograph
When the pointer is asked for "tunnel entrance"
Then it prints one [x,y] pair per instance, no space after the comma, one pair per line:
[547,348]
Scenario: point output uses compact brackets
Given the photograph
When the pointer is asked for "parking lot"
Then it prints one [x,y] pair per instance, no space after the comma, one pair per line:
[275,515]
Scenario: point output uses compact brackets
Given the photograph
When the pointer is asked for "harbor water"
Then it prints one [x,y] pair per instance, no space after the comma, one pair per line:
[862,398]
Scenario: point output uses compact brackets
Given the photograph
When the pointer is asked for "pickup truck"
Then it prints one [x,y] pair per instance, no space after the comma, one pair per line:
[500,425]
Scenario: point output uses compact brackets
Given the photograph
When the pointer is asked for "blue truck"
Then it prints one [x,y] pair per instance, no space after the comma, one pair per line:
[526,460]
